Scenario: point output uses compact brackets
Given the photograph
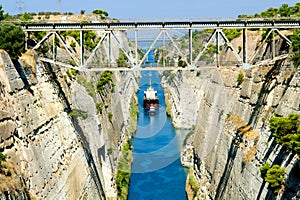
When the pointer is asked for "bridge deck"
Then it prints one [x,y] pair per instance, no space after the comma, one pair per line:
[253,23]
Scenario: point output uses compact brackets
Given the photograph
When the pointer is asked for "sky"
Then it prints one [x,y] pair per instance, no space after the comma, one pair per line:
[152,9]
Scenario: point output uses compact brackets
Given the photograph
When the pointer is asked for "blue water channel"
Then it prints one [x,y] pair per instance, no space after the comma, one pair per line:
[156,170]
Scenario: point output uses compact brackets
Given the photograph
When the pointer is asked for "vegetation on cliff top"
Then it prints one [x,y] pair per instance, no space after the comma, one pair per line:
[288,12]
[12,40]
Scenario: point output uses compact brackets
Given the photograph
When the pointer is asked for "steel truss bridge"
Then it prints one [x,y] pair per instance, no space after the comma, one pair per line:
[109,32]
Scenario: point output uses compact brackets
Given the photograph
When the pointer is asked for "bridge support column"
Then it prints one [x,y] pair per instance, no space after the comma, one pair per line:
[27,37]
[81,48]
[163,49]
[136,47]
[273,44]
[191,46]
[53,47]
[217,47]
[245,45]
[109,49]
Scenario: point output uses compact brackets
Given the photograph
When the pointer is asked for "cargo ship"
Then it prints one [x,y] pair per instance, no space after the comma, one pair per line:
[151,100]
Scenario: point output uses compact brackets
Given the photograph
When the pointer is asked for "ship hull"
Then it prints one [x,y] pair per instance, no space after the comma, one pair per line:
[151,103]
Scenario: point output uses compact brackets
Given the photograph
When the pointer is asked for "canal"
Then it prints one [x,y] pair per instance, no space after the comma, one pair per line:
[156,170]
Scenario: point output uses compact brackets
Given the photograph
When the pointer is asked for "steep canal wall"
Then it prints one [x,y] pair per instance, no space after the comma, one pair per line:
[61,135]
[231,138]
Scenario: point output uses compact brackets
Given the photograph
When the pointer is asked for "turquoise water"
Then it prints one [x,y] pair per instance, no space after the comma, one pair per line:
[156,170]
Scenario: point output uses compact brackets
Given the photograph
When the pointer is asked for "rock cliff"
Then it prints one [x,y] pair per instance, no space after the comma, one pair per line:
[231,137]
[53,151]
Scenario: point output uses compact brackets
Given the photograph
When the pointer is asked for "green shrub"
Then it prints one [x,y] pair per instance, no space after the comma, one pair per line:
[264,169]
[110,150]
[122,60]
[192,182]
[273,175]
[232,33]
[240,78]
[171,77]
[110,115]
[123,170]
[286,131]
[8,173]
[2,157]
[99,106]
[89,86]
[105,78]
[78,113]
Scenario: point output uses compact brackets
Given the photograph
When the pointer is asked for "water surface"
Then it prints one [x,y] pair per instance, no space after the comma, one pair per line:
[156,169]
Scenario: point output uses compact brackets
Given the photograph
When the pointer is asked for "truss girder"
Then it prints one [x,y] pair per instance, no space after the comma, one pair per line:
[128,55]
[262,43]
[68,49]
[150,48]
[230,46]
[163,28]
[176,47]
[96,48]
[205,46]
[46,37]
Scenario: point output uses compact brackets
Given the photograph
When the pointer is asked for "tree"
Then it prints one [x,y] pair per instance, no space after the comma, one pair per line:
[295,38]
[273,175]
[122,59]
[26,16]
[286,131]
[284,10]
[264,169]
[1,13]
[12,40]
[103,14]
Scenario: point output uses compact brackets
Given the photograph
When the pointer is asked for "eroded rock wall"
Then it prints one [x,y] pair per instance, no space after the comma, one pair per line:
[231,138]
[54,155]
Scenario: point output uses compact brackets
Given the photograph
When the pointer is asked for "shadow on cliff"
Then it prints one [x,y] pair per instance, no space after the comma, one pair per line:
[89,157]
[86,148]
[61,93]
[264,92]
[292,183]
[22,75]
[228,167]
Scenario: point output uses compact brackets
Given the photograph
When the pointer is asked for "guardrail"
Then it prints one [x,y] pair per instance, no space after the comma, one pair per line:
[253,24]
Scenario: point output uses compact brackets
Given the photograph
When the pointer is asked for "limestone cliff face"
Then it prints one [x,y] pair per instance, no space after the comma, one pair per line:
[231,137]
[54,155]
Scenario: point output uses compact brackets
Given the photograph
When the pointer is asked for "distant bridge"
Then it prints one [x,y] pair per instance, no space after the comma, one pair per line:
[109,32]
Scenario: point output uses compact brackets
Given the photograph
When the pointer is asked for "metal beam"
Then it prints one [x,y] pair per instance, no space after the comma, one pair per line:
[46,37]
[205,47]
[289,42]
[81,48]
[148,51]
[131,60]
[191,46]
[96,48]
[68,49]
[245,45]
[259,47]
[176,47]
[144,25]
[230,46]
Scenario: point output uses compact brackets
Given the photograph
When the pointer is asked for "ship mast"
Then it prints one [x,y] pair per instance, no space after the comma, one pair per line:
[150,80]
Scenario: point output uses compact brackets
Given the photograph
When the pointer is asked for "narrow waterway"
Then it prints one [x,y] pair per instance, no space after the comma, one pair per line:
[156,170]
